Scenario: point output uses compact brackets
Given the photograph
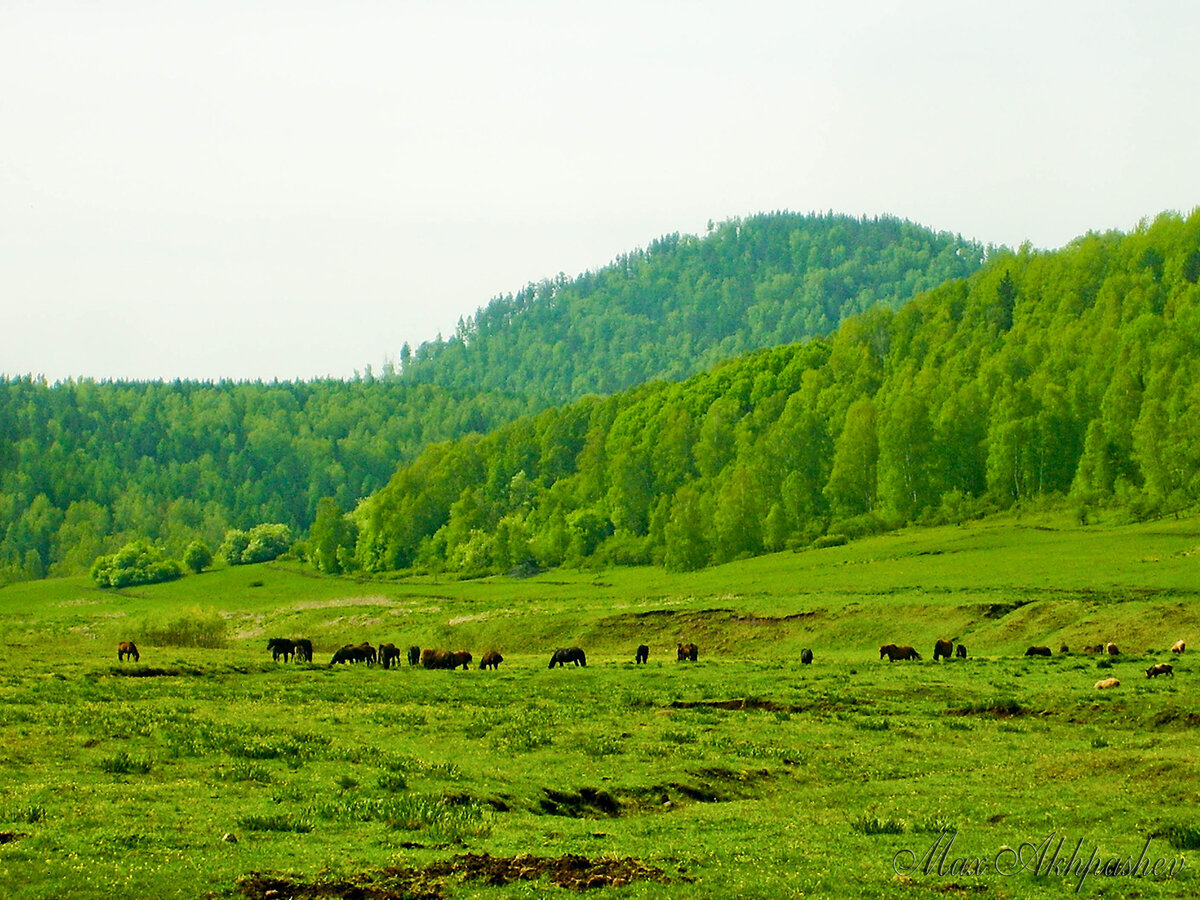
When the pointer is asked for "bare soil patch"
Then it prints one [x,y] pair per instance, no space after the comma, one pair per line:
[573,872]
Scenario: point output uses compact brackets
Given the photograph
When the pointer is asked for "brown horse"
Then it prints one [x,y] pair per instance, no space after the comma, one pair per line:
[686,651]
[961,651]
[127,648]
[491,660]
[895,652]
[281,647]
[942,649]
[414,655]
[1160,669]
[303,650]
[1038,651]
[388,655]
[642,655]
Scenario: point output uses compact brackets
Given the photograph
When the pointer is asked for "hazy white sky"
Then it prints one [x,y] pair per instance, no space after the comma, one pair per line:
[294,189]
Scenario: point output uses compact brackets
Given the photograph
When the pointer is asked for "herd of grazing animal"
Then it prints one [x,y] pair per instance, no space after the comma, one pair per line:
[388,655]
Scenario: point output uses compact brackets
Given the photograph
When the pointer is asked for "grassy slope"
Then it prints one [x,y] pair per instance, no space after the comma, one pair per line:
[237,744]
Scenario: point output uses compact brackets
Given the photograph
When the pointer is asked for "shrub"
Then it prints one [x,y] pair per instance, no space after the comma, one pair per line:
[135,563]
[189,628]
[262,543]
[198,556]
[829,540]
[875,825]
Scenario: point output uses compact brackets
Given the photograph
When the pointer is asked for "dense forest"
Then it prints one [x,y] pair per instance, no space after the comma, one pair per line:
[686,303]
[87,466]
[1071,375]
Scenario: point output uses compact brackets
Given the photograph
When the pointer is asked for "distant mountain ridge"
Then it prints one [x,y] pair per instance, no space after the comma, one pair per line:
[686,302]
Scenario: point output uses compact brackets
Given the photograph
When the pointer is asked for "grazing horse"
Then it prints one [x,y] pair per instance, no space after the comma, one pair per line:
[1178,647]
[491,660]
[686,651]
[439,659]
[806,657]
[961,651]
[942,649]
[127,648]
[460,658]
[564,655]
[303,650]
[1160,669]
[281,647]
[414,655]
[895,652]
[1107,683]
[1111,649]
[1038,651]
[642,655]
[388,654]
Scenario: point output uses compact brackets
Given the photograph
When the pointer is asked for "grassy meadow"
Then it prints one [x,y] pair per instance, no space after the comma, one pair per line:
[207,770]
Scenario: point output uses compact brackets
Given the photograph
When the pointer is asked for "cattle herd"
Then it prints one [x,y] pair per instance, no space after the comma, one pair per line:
[388,655]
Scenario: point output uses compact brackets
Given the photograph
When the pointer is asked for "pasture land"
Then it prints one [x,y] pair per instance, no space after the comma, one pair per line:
[742,775]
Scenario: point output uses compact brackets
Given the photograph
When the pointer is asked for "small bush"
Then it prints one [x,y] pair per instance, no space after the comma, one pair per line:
[830,540]
[124,764]
[190,628]
[282,822]
[875,825]
[1183,837]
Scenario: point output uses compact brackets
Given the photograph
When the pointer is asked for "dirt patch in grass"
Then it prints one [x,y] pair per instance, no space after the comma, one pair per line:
[1175,716]
[152,672]
[740,703]
[574,872]
[1001,709]
[708,785]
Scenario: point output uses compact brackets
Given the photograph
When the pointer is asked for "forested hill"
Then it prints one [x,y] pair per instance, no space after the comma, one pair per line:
[1073,374]
[87,466]
[686,302]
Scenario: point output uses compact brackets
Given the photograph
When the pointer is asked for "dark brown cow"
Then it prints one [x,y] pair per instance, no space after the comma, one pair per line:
[895,652]
[491,660]
[688,652]
[642,655]
[127,648]
[942,649]
[1160,669]
[1038,651]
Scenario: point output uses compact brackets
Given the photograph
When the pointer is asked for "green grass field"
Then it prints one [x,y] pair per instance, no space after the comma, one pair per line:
[742,775]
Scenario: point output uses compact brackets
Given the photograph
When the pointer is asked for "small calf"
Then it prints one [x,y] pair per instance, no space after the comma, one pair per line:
[1107,683]
[1160,669]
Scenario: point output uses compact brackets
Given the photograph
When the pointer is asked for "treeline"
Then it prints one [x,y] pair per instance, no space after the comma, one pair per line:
[87,467]
[687,302]
[1072,374]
